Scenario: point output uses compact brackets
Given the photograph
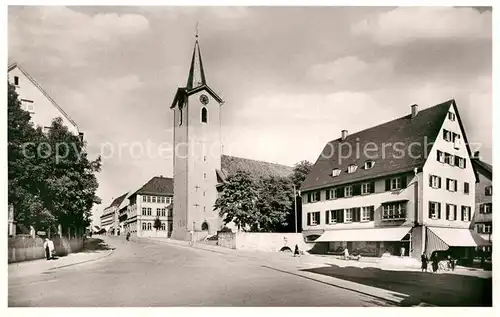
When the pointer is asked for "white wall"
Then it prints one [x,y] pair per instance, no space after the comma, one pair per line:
[44,110]
[433,167]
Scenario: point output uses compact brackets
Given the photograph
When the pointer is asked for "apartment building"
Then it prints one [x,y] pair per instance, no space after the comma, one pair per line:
[407,185]
[109,217]
[154,200]
[483,217]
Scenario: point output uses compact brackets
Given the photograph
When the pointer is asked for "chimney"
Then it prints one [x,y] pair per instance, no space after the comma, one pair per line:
[344,134]
[476,155]
[414,110]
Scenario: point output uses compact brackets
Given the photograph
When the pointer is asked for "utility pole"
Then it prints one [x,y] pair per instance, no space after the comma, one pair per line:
[295,206]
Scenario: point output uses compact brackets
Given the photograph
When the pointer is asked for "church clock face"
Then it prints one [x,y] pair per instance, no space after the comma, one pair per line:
[204,99]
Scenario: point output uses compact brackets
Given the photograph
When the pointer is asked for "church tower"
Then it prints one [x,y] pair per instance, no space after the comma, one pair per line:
[197,154]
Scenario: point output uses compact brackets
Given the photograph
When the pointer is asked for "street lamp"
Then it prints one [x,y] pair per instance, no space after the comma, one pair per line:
[295,206]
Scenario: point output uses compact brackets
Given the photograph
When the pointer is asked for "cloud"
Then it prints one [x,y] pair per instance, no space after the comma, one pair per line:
[351,70]
[407,24]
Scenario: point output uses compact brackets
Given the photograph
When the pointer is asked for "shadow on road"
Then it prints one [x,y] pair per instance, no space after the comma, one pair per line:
[95,245]
[436,289]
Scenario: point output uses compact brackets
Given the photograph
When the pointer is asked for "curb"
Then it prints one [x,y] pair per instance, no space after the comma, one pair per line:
[82,262]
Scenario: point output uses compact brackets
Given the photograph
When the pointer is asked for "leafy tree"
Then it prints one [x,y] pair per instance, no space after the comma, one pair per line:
[274,204]
[237,203]
[51,180]
[300,171]
[157,223]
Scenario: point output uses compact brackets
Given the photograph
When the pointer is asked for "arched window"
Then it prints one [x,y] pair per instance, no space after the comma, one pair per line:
[204,226]
[143,226]
[204,115]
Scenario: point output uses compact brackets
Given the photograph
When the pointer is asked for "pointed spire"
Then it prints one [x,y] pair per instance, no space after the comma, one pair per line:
[196,73]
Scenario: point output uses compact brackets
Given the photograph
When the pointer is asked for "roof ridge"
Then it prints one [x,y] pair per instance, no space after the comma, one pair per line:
[260,161]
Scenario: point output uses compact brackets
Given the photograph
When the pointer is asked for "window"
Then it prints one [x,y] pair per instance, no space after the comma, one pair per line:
[144,226]
[149,211]
[434,181]
[447,135]
[459,161]
[163,200]
[204,175]
[487,228]
[488,191]
[28,105]
[485,209]
[204,115]
[313,218]
[163,226]
[352,168]
[369,164]
[456,141]
[313,196]
[466,213]
[331,193]
[144,198]
[334,216]
[144,211]
[466,188]
[367,213]
[16,81]
[163,212]
[448,159]
[451,116]
[148,199]
[366,188]
[451,212]
[451,184]
[169,200]
[153,199]
[158,212]
[396,183]
[348,191]
[149,226]
[336,172]
[394,211]
[440,156]
[170,213]
[348,215]
[434,210]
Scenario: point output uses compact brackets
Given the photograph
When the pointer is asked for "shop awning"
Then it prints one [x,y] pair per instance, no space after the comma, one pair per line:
[459,237]
[372,234]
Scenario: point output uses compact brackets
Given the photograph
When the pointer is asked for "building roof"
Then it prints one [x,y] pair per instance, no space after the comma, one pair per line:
[421,130]
[157,185]
[37,85]
[116,203]
[483,167]
[233,164]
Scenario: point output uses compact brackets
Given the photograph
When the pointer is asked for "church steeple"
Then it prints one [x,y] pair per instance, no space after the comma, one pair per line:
[196,76]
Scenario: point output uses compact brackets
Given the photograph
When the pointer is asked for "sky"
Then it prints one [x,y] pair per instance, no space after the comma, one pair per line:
[291,77]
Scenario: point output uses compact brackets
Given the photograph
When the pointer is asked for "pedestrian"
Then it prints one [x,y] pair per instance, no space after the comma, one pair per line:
[48,246]
[128,236]
[425,261]
[296,253]
[402,253]
[191,237]
[435,264]
[346,254]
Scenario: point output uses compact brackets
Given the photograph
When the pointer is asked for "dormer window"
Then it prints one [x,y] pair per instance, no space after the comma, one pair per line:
[451,116]
[352,168]
[336,172]
[369,164]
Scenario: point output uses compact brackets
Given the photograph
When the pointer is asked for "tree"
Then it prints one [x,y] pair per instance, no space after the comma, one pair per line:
[300,171]
[157,224]
[237,203]
[274,204]
[51,179]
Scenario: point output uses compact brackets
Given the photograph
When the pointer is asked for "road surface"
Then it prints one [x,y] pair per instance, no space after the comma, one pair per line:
[146,273]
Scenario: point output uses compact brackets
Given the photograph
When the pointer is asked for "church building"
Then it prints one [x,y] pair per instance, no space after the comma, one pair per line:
[199,165]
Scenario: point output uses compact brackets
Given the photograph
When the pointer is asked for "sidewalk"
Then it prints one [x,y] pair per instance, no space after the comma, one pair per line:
[40,266]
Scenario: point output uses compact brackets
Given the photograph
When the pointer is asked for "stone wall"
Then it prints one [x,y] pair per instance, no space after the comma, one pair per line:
[26,248]
[256,241]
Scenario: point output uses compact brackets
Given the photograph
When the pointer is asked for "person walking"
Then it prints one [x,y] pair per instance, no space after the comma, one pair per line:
[346,254]
[48,246]
[128,236]
[435,264]
[425,261]
[402,252]
[296,252]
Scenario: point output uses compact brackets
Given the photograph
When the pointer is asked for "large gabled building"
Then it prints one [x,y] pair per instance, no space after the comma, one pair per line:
[109,217]
[405,185]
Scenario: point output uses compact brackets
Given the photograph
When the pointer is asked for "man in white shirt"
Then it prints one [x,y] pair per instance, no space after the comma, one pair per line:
[48,246]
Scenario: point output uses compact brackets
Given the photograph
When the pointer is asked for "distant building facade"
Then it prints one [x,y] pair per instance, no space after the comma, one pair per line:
[410,189]
[109,217]
[152,201]
[483,217]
